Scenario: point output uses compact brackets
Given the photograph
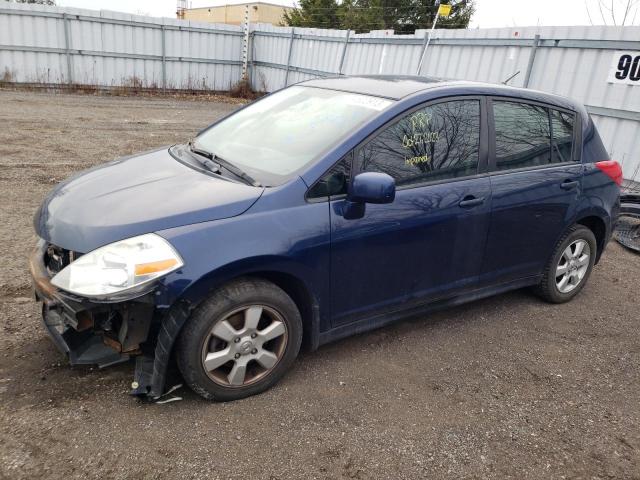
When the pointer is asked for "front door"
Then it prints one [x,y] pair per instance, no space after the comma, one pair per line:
[429,242]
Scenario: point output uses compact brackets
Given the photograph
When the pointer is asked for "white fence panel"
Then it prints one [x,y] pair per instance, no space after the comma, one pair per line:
[73,46]
[570,61]
[107,49]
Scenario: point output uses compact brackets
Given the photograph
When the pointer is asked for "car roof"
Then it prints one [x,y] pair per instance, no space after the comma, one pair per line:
[397,87]
[389,86]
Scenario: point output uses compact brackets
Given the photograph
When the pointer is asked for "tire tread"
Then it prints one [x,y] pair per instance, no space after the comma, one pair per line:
[546,288]
[187,350]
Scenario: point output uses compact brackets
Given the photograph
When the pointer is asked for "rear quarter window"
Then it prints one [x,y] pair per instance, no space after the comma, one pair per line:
[562,126]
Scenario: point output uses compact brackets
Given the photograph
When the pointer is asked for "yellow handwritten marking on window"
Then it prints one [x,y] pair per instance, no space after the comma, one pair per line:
[418,139]
[417,160]
[419,120]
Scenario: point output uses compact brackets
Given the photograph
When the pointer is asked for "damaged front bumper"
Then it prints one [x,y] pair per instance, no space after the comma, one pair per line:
[90,332]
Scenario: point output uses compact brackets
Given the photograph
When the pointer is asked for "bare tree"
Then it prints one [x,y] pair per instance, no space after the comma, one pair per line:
[612,12]
[39,2]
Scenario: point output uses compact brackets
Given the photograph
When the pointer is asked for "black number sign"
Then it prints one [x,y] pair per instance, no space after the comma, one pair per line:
[627,68]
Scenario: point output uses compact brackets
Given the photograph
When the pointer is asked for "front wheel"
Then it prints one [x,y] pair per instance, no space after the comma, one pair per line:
[570,266]
[240,341]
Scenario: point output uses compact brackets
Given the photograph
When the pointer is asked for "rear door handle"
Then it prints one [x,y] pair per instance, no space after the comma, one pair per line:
[568,185]
[470,201]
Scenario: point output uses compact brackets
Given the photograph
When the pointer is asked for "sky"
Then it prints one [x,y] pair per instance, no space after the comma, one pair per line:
[489,13]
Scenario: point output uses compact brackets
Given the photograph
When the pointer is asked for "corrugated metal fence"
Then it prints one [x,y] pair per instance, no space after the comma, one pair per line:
[68,45]
[56,45]
[571,61]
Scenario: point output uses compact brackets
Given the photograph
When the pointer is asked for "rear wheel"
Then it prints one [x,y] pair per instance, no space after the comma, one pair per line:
[240,341]
[570,266]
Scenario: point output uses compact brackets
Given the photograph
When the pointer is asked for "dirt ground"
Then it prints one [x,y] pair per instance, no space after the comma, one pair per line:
[507,387]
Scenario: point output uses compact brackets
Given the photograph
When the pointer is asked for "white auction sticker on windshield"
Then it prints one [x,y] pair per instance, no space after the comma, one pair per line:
[374,103]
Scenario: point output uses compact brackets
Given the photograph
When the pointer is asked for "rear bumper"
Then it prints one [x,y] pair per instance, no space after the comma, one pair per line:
[89,332]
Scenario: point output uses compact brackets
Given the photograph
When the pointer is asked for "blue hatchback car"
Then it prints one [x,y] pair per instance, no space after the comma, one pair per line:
[325,209]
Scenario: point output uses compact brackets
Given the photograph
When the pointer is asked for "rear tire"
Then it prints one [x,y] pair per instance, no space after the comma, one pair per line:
[569,267]
[240,341]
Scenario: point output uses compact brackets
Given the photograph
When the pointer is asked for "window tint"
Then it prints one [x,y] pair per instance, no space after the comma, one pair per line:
[562,131]
[437,142]
[334,182]
[523,137]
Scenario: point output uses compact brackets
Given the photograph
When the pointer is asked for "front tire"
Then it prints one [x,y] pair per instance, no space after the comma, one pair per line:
[240,341]
[570,266]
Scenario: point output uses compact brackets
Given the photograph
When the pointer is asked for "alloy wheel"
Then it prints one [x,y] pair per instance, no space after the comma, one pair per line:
[244,346]
[572,266]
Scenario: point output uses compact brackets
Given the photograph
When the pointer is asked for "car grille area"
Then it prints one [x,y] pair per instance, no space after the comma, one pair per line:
[56,258]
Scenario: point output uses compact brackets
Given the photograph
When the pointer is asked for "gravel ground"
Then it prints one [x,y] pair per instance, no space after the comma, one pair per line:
[507,387]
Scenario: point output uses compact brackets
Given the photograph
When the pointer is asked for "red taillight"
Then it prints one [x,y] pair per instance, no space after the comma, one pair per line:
[612,169]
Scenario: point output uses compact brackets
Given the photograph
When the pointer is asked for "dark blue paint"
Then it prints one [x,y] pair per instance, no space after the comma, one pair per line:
[280,233]
[529,212]
[372,187]
[421,246]
[136,195]
[435,244]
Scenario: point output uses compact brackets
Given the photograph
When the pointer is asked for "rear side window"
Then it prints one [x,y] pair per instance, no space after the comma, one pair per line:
[523,135]
[438,142]
[531,135]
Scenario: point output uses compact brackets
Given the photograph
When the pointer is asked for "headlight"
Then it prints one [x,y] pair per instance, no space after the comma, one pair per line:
[119,267]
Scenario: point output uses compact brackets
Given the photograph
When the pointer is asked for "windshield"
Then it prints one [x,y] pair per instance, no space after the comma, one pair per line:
[277,136]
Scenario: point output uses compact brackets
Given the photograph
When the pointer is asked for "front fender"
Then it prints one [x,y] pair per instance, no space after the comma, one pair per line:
[198,290]
[292,241]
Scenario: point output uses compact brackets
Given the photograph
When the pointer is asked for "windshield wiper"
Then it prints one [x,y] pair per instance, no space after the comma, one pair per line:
[208,162]
[214,163]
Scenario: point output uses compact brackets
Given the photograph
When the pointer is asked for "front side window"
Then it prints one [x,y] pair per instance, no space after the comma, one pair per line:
[438,142]
[282,133]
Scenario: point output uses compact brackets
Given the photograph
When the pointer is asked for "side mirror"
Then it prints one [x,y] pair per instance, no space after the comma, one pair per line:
[372,187]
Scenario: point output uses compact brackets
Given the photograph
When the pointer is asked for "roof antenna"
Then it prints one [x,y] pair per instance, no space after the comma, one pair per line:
[511,78]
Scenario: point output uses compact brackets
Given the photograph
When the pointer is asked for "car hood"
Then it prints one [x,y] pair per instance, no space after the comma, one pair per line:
[136,195]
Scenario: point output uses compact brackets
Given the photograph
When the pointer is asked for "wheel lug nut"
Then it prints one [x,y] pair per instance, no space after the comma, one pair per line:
[254,351]
[254,335]
[237,355]
[236,339]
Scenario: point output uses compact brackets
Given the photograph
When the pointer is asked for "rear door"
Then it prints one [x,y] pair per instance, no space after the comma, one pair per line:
[429,242]
[535,183]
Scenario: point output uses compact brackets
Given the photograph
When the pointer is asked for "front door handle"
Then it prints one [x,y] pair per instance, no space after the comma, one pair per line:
[470,201]
[568,185]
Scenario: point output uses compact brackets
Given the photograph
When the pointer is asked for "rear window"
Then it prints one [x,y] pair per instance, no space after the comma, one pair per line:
[528,135]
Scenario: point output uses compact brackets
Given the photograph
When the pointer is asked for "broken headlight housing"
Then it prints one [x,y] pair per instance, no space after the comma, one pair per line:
[122,267]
